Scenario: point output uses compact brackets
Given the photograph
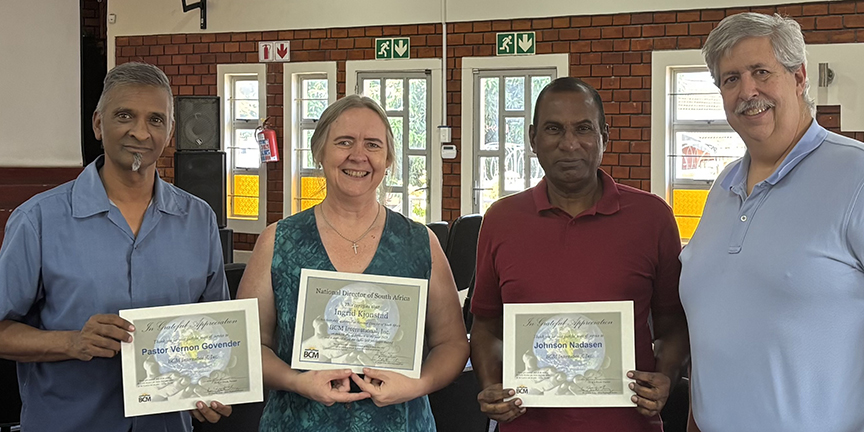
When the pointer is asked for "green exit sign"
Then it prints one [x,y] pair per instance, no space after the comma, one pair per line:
[515,43]
[392,48]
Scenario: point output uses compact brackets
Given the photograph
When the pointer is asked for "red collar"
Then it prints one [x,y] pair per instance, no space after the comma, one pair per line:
[608,204]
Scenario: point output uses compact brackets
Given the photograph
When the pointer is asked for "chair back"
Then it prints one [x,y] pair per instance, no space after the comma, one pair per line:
[10,400]
[462,248]
[442,231]
[233,274]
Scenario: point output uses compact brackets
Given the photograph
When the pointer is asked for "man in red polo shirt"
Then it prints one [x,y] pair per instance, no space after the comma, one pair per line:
[579,237]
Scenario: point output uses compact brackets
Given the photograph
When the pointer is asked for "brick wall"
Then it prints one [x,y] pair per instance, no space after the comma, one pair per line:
[93,20]
[611,52]
[20,184]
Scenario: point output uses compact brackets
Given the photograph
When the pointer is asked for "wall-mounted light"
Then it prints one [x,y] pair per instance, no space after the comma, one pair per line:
[826,75]
[202,4]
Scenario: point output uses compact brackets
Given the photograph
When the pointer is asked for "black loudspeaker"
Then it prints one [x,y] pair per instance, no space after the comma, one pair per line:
[227,237]
[203,174]
[197,123]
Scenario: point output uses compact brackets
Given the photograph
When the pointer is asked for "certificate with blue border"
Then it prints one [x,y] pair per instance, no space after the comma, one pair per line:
[183,354]
[352,321]
[569,354]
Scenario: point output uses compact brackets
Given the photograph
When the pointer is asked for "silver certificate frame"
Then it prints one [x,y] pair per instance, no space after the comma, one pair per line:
[181,354]
[569,354]
[352,321]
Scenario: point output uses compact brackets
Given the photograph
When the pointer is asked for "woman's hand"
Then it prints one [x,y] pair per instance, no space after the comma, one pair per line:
[388,388]
[211,414]
[327,386]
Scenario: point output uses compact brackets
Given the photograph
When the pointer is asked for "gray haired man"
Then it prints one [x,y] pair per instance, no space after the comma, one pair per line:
[117,237]
[773,279]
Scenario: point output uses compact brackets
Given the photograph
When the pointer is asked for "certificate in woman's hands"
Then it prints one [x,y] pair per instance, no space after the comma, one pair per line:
[193,352]
[569,354]
[352,321]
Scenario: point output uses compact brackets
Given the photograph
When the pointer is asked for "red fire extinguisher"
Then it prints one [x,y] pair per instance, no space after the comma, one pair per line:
[266,137]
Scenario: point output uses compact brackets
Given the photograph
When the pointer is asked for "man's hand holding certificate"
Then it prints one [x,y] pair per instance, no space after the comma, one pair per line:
[569,354]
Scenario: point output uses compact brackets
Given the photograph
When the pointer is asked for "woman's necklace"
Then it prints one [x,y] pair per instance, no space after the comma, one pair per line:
[353,242]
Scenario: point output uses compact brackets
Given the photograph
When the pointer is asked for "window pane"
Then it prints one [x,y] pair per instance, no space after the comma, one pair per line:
[537,84]
[306,161]
[703,155]
[514,167]
[312,191]
[372,89]
[488,182]
[246,153]
[315,89]
[514,98]
[246,109]
[489,111]
[514,156]
[395,177]
[515,132]
[689,202]
[394,201]
[418,190]
[312,109]
[417,114]
[696,97]
[246,185]
[246,89]
[687,226]
[394,94]
[417,171]
[244,207]
[244,202]
[536,171]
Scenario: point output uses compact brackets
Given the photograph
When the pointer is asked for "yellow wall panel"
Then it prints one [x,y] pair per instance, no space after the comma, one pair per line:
[312,191]
[687,226]
[247,207]
[689,202]
[246,185]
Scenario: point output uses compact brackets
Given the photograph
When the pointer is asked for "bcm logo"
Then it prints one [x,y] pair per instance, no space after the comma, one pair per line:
[310,353]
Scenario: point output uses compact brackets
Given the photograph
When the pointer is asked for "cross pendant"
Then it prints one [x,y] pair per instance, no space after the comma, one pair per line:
[354,245]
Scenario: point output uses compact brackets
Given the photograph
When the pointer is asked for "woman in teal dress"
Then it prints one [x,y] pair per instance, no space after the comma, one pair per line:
[351,232]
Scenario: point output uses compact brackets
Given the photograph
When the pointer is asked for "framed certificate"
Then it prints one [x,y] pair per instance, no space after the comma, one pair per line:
[352,321]
[185,353]
[569,354]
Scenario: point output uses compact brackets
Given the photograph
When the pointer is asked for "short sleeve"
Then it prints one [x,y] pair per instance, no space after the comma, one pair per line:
[20,267]
[665,299]
[217,285]
[486,300]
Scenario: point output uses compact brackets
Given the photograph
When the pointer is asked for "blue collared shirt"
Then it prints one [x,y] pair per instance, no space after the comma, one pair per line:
[773,286]
[69,254]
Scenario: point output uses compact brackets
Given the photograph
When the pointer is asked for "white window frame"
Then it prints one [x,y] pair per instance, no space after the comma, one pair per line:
[292,73]
[663,65]
[525,114]
[561,62]
[435,175]
[224,72]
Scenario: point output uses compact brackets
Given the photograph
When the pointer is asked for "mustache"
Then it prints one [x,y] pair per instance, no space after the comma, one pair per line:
[757,104]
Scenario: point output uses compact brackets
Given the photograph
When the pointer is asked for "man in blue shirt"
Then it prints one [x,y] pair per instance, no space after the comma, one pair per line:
[117,237]
[773,279]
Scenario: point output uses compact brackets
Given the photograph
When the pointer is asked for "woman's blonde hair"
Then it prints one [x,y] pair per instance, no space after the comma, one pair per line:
[334,111]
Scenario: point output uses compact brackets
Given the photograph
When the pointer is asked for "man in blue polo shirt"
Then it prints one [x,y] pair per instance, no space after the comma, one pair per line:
[773,279]
[115,238]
